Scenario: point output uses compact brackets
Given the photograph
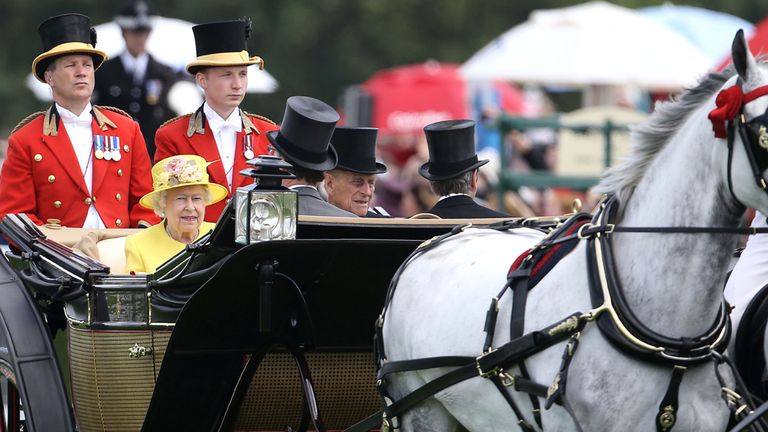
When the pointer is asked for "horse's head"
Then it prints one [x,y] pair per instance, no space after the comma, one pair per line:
[741,118]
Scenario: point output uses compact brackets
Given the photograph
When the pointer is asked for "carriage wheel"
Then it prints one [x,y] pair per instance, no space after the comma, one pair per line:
[12,415]
[32,390]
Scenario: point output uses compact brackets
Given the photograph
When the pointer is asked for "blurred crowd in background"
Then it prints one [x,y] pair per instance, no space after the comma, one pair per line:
[530,163]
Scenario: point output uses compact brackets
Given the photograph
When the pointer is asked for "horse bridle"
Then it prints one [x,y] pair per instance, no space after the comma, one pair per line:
[729,116]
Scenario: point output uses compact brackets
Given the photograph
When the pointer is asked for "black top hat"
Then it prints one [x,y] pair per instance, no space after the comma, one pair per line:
[134,15]
[305,134]
[451,149]
[223,43]
[356,148]
[65,35]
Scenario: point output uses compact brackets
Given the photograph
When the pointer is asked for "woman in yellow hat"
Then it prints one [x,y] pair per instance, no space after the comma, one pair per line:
[181,193]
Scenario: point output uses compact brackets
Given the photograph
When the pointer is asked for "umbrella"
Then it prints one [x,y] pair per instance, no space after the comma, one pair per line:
[171,42]
[710,31]
[595,43]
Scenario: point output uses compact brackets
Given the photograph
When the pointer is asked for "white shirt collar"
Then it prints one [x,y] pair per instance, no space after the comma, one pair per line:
[294,187]
[132,64]
[451,195]
[68,117]
[216,123]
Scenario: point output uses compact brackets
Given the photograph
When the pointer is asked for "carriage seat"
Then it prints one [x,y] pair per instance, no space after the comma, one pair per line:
[106,246]
[112,254]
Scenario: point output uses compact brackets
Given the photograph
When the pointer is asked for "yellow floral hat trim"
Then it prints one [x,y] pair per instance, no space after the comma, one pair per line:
[182,170]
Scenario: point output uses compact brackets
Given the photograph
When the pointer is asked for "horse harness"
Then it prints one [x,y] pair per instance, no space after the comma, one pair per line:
[611,312]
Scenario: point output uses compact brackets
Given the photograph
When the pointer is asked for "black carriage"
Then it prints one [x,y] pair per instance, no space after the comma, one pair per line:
[275,335]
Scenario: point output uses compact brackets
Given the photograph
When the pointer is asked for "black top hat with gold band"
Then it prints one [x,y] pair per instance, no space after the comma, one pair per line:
[134,16]
[223,43]
[65,35]
[451,149]
[356,147]
[305,134]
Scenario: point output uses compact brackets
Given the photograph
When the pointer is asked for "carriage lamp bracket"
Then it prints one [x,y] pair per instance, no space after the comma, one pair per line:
[265,283]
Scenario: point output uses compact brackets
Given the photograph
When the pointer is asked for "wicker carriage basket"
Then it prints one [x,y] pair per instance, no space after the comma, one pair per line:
[111,390]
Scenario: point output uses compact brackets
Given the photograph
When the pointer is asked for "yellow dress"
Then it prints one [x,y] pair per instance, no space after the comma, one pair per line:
[147,250]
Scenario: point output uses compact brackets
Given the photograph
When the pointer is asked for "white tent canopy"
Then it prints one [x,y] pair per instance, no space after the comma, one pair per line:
[171,42]
[595,43]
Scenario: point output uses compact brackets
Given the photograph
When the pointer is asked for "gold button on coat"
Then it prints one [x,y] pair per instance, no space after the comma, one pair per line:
[38,157]
[51,178]
[118,222]
[87,201]
[57,204]
[118,197]
[126,148]
[119,172]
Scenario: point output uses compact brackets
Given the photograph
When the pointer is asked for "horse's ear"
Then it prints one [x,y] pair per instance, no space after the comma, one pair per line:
[742,57]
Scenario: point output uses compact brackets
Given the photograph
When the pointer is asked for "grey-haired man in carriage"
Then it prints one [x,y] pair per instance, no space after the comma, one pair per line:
[350,186]
[452,170]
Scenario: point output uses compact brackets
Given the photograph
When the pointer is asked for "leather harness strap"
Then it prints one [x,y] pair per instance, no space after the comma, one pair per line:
[487,365]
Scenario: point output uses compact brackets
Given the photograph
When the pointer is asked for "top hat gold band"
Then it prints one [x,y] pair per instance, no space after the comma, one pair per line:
[67,48]
[228,58]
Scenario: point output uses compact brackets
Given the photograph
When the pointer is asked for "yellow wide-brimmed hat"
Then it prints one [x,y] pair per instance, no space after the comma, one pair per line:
[223,43]
[65,35]
[182,170]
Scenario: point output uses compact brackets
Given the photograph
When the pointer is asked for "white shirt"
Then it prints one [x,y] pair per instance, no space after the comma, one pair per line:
[81,136]
[136,66]
[225,133]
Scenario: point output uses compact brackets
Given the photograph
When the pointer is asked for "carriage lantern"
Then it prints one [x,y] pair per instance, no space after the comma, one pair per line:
[265,210]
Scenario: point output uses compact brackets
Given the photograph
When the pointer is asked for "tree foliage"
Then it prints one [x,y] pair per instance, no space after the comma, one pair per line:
[313,48]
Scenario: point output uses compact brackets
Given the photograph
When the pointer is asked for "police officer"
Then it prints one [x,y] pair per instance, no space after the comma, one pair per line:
[452,170]
[219,130]
[135,81]
[75,164]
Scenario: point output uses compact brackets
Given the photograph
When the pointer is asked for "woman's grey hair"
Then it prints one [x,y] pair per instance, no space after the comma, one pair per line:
[158,200]
[457,185]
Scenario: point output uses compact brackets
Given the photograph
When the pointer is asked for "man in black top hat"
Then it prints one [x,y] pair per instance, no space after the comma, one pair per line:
[135,81]
[303,140]
[351,184]
[452,170]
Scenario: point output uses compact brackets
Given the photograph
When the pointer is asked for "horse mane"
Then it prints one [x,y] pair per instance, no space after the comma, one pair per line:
[650,136]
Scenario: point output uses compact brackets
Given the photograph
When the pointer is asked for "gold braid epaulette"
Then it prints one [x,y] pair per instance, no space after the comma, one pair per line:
[179,117]
[111,108]
[260,117]
[27,120]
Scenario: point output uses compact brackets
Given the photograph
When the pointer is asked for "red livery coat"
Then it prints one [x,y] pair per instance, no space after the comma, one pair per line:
[189,134]
[41,174]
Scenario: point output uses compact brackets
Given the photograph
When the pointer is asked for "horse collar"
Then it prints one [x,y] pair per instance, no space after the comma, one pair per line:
[620,325]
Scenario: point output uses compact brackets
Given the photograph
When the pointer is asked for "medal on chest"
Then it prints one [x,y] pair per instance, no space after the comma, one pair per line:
[106,147]
[248,146]
[98,146]
[116,155]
